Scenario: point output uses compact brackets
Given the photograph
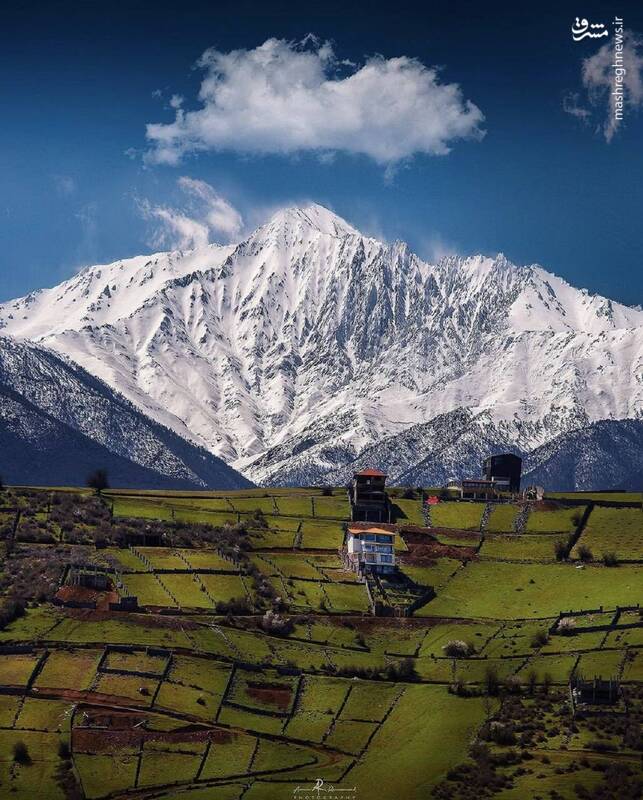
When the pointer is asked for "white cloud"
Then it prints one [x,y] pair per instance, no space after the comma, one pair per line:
[434,248]
[285,97]
[175,230]
[185,229]
[220,216]
[598,78]
[572,105]
[65,185]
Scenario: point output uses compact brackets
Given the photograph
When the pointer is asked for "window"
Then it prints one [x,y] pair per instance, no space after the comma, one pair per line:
[386,539]
[378,548]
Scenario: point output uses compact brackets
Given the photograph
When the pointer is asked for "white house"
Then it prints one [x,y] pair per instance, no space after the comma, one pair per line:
[370,550]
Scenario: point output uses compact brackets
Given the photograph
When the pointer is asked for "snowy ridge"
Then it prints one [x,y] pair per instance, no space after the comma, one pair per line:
[294,352]
[58,423]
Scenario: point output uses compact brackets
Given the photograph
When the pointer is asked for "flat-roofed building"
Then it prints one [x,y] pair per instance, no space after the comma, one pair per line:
[482,489]
[370,550]
[504,466]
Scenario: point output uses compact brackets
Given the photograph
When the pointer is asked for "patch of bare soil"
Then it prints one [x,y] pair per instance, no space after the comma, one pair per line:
[168,622]
[76,594]
[425,555]
[108,731]
[547,505]
[83,594]
[273,694]
[452,533]
[372,624]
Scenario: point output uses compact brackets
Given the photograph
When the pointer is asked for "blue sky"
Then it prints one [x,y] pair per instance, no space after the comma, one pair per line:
[81,183]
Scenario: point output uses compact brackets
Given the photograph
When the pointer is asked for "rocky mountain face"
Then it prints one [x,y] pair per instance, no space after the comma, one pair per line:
[308,348]
[606,454]
[58,424]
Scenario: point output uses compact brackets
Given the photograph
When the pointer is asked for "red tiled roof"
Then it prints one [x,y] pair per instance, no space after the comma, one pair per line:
[354,529]
[372,473]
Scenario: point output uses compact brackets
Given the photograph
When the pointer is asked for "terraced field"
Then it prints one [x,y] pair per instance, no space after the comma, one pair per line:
[613,530]
[554,519]
[463,516]
[252,664]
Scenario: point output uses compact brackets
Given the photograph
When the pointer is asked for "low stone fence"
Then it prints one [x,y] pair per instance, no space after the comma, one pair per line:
[607,626]
[15,649]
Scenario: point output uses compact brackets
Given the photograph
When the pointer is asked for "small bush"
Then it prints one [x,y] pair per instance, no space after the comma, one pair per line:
[456,648]
[491,681]
[237,606]
[585,554]
[502,734]
[64,751]
[601,746]
[610,559]
[566,626]
[21,753]
[532,679]
[560,550]
[276,624]
[513,684]
[98,480]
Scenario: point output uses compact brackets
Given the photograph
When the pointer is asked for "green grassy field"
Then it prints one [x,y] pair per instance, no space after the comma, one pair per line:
[514,591]
[612,530]
[617,497]
[62,668]
[523,547]
[411,511]
[502,518]
[201,694]
[554,520]
[461,515]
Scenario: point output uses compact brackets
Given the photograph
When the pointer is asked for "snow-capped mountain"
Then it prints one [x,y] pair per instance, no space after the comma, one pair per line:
[305,347]
[58,424]
[608,453]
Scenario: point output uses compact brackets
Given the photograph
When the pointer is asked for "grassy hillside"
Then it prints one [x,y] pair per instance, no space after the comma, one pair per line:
[253,663]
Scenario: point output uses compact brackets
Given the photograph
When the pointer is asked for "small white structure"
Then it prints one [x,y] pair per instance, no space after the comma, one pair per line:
[370,550]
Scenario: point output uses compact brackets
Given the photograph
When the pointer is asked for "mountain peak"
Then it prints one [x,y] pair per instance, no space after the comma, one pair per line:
[289,353]
[312,216]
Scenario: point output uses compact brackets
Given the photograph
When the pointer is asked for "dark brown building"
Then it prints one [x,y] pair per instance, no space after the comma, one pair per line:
[595,692]
[368,497]
[504,467]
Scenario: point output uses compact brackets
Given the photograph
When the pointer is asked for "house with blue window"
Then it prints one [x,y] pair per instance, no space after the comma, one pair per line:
[370,550]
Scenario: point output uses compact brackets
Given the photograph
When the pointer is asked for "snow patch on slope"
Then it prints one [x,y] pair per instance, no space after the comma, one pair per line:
[306,344]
